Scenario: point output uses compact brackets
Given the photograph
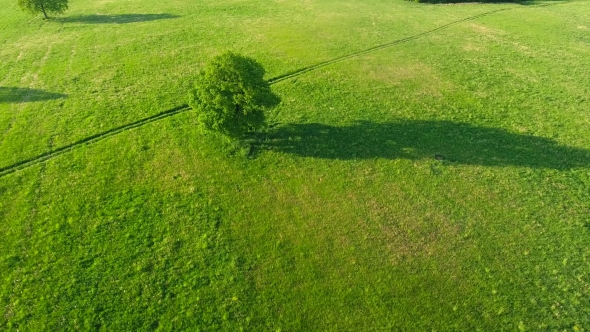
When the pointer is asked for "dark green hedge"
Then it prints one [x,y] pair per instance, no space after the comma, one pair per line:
[462,1]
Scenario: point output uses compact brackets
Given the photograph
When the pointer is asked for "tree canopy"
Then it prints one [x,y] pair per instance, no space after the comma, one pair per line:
[44,6]
[231,96]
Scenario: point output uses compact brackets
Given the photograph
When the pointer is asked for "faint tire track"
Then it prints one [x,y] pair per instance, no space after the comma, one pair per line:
[302,71]
[90,140]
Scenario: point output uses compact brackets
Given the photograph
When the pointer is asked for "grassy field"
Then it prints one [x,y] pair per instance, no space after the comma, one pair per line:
[427,169]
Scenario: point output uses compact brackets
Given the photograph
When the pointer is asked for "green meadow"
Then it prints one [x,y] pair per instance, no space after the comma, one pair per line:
[428,168]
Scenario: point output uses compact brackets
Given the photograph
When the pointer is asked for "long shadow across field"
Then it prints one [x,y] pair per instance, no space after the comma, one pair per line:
[519,2]
[453,142]
[116,19]
[20,95]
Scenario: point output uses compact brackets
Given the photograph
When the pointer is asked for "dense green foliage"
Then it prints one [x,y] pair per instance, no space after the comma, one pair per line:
[44,6]
[439,184]
[230,96]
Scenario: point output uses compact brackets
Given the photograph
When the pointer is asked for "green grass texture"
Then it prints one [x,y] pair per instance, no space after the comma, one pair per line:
[428,168]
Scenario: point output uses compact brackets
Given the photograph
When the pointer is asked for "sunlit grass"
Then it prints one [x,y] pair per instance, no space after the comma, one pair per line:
[438,184]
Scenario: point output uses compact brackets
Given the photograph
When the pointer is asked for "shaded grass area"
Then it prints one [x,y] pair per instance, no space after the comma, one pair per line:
[520,2]
[459,143]
[466,1]
[116,19]
[23,95]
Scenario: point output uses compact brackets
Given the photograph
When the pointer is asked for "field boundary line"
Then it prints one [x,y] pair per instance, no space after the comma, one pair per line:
[91,140]
[183,108]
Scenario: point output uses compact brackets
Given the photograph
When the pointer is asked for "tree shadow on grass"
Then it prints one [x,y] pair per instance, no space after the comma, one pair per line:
[21,95]
[519,2]
[116,19]
[452,142]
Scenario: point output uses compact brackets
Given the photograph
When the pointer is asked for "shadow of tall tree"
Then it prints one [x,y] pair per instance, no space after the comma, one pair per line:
[455,142]
[20,95]
[116,19]
[520,2]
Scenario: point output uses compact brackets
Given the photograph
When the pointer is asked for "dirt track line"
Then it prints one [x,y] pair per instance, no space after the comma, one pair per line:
[90,140]
[183,108]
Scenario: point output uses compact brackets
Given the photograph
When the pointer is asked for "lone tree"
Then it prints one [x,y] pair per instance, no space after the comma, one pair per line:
[44,6]
[231,96]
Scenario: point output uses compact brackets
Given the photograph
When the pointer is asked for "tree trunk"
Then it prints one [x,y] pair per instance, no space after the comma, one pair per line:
[44,13]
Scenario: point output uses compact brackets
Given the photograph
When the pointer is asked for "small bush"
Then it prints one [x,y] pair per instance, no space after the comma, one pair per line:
[231,96]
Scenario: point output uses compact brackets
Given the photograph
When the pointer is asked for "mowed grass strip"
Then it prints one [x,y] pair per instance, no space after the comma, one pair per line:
[441,184]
